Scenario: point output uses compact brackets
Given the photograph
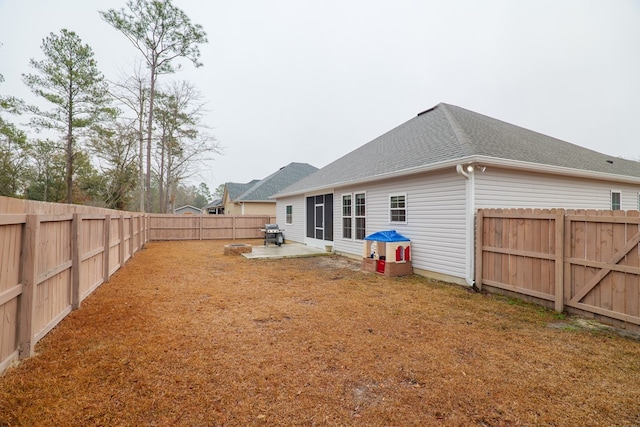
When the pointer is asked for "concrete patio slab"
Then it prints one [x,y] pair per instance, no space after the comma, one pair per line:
[287,250]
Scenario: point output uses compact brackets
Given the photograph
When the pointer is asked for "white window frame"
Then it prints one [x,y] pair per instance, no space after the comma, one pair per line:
[619,193]
[350,216]
[356,216]
[288,217]
[391,208]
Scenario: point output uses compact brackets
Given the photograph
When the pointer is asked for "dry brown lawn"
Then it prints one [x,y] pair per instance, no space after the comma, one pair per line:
[187,336]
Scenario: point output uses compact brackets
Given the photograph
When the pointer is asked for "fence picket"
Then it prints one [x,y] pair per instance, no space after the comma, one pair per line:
[591,258]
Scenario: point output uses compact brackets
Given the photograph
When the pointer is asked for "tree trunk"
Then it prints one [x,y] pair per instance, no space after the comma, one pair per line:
[70,157]
[141,153]
[161,195]
[152,90]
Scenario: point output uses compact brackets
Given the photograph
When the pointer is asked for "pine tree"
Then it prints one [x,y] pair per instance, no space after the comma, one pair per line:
[69,79]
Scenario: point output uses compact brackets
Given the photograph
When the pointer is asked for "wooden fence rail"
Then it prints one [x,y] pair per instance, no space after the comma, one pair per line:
[50,262]
[207,227]
[583,261]
[53,255]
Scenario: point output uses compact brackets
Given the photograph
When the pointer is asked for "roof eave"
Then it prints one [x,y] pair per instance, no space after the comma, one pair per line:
[483,161]
[389,175]
[555,170]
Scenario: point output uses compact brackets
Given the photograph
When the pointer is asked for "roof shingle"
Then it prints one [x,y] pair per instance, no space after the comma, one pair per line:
[447,133]
[261,191]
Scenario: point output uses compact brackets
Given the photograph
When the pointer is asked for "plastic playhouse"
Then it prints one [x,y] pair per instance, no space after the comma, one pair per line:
[387,252]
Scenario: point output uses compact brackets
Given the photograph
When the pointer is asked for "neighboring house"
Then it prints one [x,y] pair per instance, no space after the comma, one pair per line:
[254,198]
[187,210]
[214,208]
[427,177]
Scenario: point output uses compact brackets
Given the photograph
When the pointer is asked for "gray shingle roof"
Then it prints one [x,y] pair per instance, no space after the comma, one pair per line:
[214,204]
[447,133]
[262,190]
[235,189]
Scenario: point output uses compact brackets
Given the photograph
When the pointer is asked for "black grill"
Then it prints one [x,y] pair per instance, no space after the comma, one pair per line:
[273,234]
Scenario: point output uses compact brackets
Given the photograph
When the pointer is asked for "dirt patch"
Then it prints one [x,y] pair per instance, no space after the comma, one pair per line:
[187,336]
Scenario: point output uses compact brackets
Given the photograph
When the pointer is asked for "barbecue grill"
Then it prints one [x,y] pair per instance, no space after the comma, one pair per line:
[273,234]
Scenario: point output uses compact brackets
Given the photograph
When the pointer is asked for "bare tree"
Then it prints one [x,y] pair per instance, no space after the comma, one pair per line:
[162,33]
[115,149]
[133,92]
[182,141]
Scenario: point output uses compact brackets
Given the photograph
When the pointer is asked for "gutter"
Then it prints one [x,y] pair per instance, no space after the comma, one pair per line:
[468,172]
[483,160]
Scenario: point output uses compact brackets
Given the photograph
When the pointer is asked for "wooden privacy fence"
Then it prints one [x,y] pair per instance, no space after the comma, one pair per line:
[50,262]
[207,227]
[584,261]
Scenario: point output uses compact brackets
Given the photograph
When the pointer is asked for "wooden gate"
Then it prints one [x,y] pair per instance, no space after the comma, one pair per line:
[584,260]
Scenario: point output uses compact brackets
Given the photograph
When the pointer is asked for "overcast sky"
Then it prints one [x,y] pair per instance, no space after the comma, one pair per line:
[309,81]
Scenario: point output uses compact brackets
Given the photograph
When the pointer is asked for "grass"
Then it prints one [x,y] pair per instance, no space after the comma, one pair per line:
[187,336]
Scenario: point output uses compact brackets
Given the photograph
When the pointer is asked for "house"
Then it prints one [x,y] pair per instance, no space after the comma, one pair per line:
[427,177]
[254,198]
[187,210]
[214,208]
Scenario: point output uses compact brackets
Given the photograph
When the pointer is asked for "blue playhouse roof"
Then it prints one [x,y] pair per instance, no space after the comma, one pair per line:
[387,236]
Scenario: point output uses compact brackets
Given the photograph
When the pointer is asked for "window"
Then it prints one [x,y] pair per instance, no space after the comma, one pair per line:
[353,216]
[398,208]
[347,221]
[289,216]
[360,215]
[615,200]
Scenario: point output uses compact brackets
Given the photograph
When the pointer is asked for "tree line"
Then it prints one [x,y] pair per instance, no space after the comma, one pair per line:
[125,144]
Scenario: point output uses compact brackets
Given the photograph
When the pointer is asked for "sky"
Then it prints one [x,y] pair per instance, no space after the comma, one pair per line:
[309,81]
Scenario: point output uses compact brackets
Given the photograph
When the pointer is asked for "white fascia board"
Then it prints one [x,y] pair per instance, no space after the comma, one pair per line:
[554,170]
[395,174]
[482,161]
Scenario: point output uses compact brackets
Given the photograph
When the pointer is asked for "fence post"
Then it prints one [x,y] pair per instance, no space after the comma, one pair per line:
[121,238]
[559,263]
[76,250]
[131,236]
[107,246]
[145,221]
[479,243]
[200,232]
[29,272]
[233,227]
[140,232]
[568,253]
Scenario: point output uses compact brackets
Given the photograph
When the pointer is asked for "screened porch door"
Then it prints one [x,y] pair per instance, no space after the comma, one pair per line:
[319,216]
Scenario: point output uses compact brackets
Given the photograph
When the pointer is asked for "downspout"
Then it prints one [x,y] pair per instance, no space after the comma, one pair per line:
[469,176]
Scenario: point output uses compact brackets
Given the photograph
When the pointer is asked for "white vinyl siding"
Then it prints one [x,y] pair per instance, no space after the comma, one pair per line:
[497,188]
[437,212]
[437,226]
[293,232]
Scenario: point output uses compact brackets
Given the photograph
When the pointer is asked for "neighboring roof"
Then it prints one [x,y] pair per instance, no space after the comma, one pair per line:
[261,191]
[215,204]
[236,189]
[446,133]
[187,207]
